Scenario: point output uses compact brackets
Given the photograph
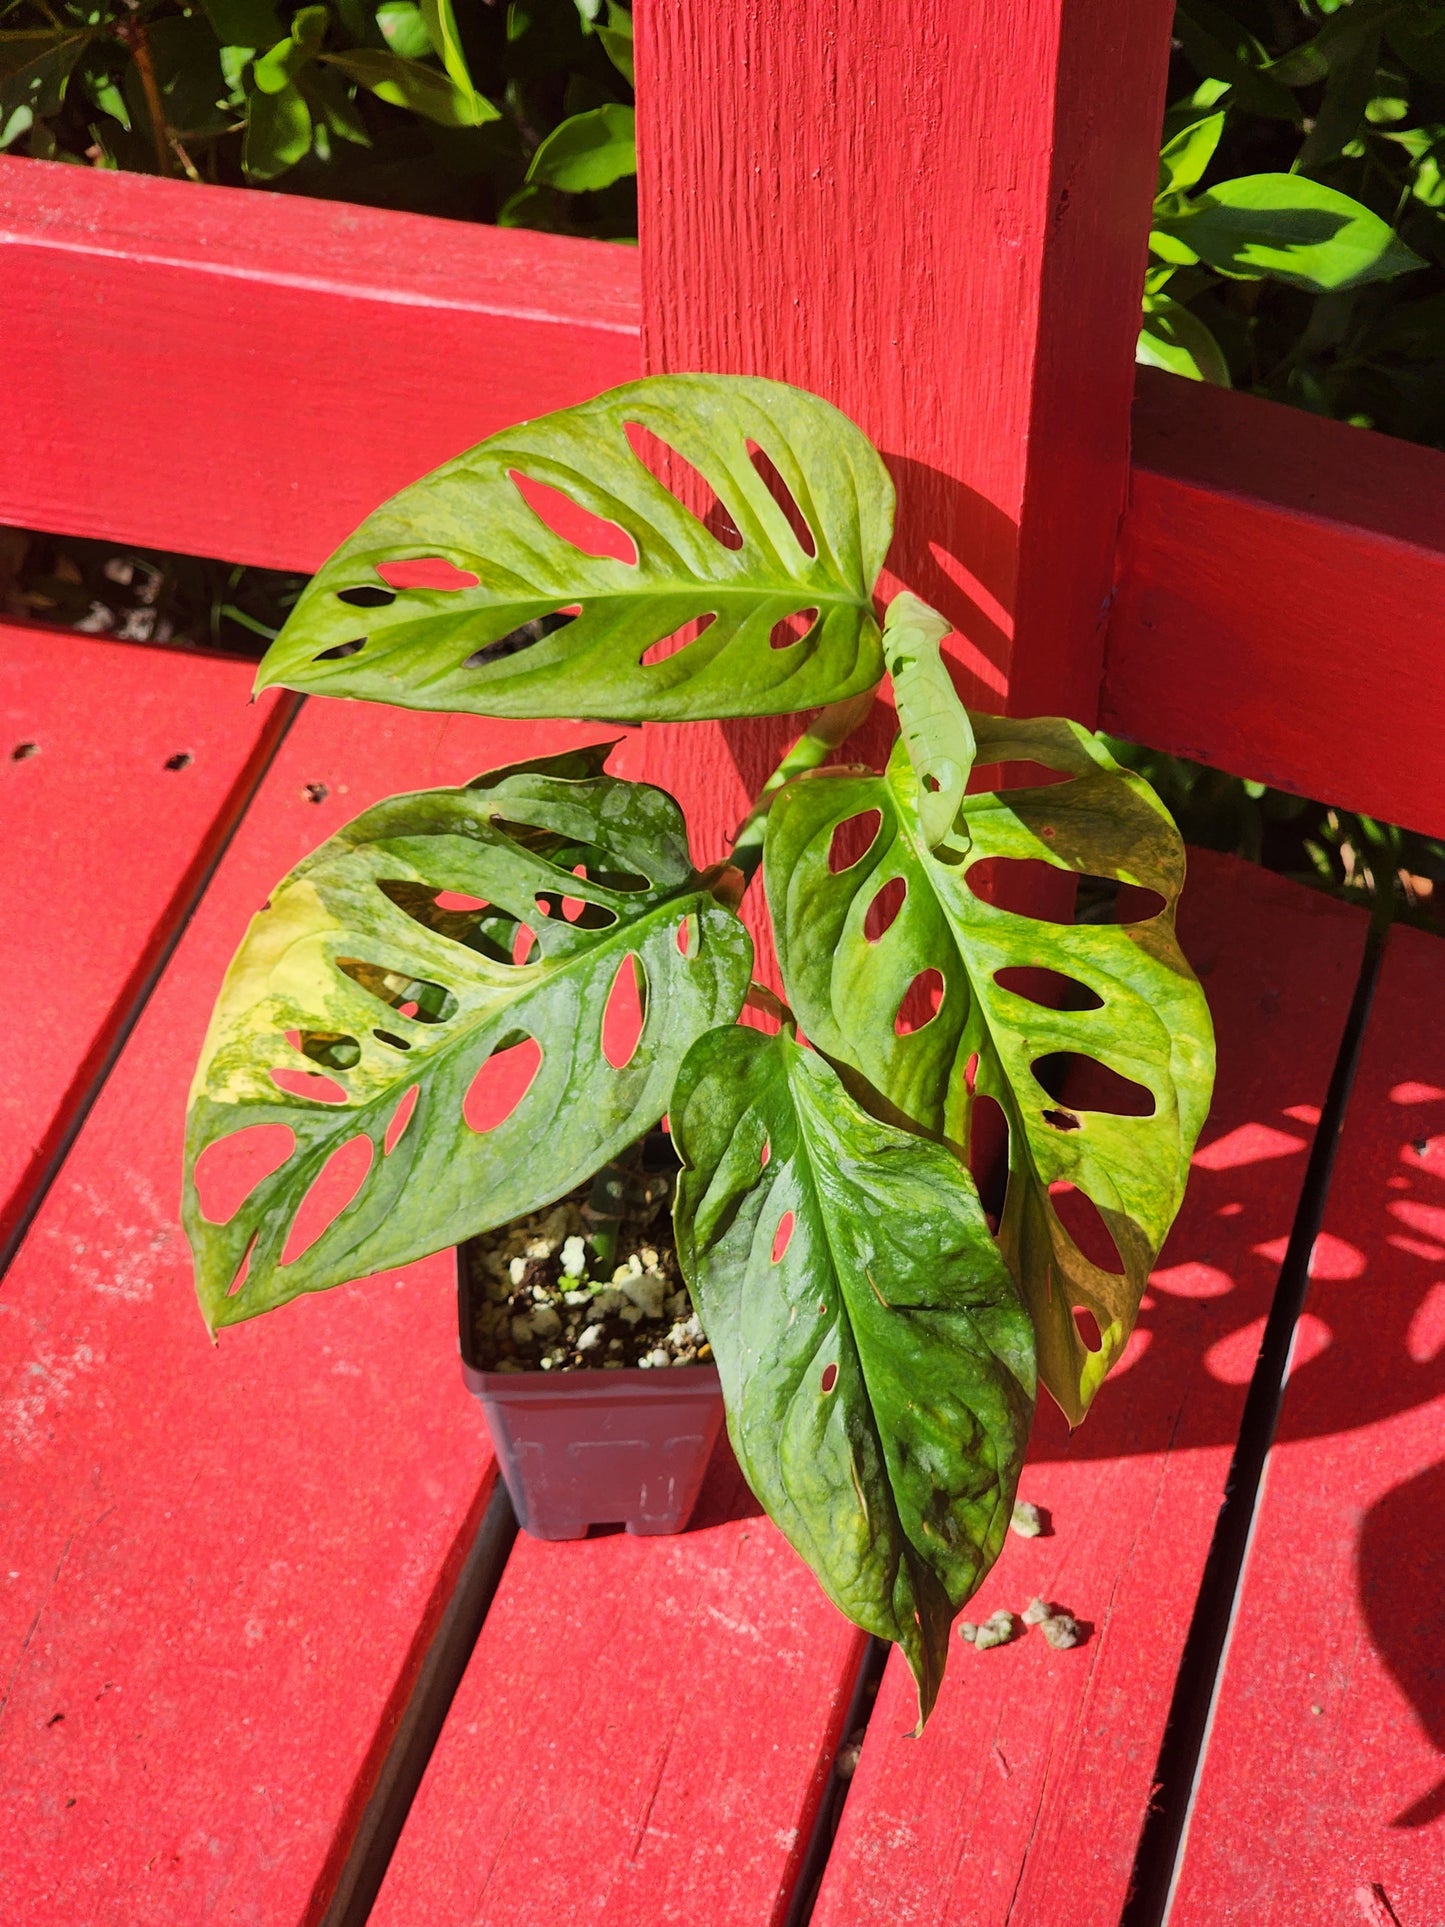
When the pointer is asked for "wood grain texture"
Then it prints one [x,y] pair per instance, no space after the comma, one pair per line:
[1024,1799]
[642,1737]
[1323,1786]
[940,224]
[1281,601]
[220,1565]
[103,847]
[272,367]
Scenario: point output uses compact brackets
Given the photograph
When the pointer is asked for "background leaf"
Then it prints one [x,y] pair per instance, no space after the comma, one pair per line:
[408,83]
[34,71]
[857,941]
[1295,230]
[278,132]
[551,626]
[357,986]
[877,1368]
[1174,339]
[590,150]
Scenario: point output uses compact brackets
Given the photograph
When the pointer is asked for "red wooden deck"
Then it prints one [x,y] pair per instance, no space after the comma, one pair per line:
[267,1653]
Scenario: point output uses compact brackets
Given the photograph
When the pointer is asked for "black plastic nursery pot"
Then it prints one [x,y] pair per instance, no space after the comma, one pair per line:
[584,1448]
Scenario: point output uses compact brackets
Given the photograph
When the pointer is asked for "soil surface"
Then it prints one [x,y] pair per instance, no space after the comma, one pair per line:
[556,1291]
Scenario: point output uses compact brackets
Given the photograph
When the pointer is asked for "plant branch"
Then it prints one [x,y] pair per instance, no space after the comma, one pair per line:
[133,31]
[829,728]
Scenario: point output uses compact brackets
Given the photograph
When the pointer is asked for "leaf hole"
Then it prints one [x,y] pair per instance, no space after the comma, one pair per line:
[773,482]
[1029,887]
[523,943]
[792,629]
[1061,1120]
[334,1187]
[1050,989]
[883,911]
[970,1072]
[310,1085]
[501,1082]
[829,1378]
[1084,1223]
[1084,1084]
[458,900]
[340,650]
[329,1048]
[988,1153]
[389,1037]
[783,1236]
[228,1171]
[525,636]
[366,595]
[592,534]
[675,640]
[1087,1326]
[400,1118]
[243,1270]
[852,839]
[691,488]
[415,997]
[425,572]
[687,933]
[625,1012]
[921,1002]
[767,1152]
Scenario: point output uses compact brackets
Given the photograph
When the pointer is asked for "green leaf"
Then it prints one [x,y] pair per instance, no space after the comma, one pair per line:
[441,26]
[1287,228]
[407,83]
[35,70]
[879,1376]
[499,648]
[1219,48]
[404,29]
[243,23]
[356,967]
[278,133]
[1174,339]
[849,980]
[587,152]
[1418,37]
[1183,159]
[1347,94]
[279,66]
[616,38]
[936,730]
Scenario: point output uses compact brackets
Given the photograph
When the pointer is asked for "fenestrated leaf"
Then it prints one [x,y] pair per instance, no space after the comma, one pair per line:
[935,725]
[387,959]
[879,1372]
[849,981]
[511,646]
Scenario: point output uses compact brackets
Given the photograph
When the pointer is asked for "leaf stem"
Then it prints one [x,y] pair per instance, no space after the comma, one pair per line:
[829,728]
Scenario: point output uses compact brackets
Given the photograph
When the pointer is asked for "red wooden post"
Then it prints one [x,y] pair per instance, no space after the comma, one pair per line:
[938,221]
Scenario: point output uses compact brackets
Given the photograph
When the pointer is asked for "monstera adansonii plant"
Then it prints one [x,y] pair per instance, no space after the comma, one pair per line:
[879,1336]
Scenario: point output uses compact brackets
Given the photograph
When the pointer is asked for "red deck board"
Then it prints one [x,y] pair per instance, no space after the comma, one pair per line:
[102,847]
[642,1736]
[219,1565]
[1324,1777]
[325,353]
[1023,1801]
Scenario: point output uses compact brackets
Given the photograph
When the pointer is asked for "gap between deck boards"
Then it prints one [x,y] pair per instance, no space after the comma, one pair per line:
[1201,1667]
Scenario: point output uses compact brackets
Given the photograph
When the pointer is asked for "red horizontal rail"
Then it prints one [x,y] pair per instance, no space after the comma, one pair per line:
[1280,609]
[237,374]
[245,375]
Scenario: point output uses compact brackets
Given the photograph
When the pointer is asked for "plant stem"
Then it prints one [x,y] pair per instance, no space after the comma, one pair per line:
[134,31]
[829,728]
